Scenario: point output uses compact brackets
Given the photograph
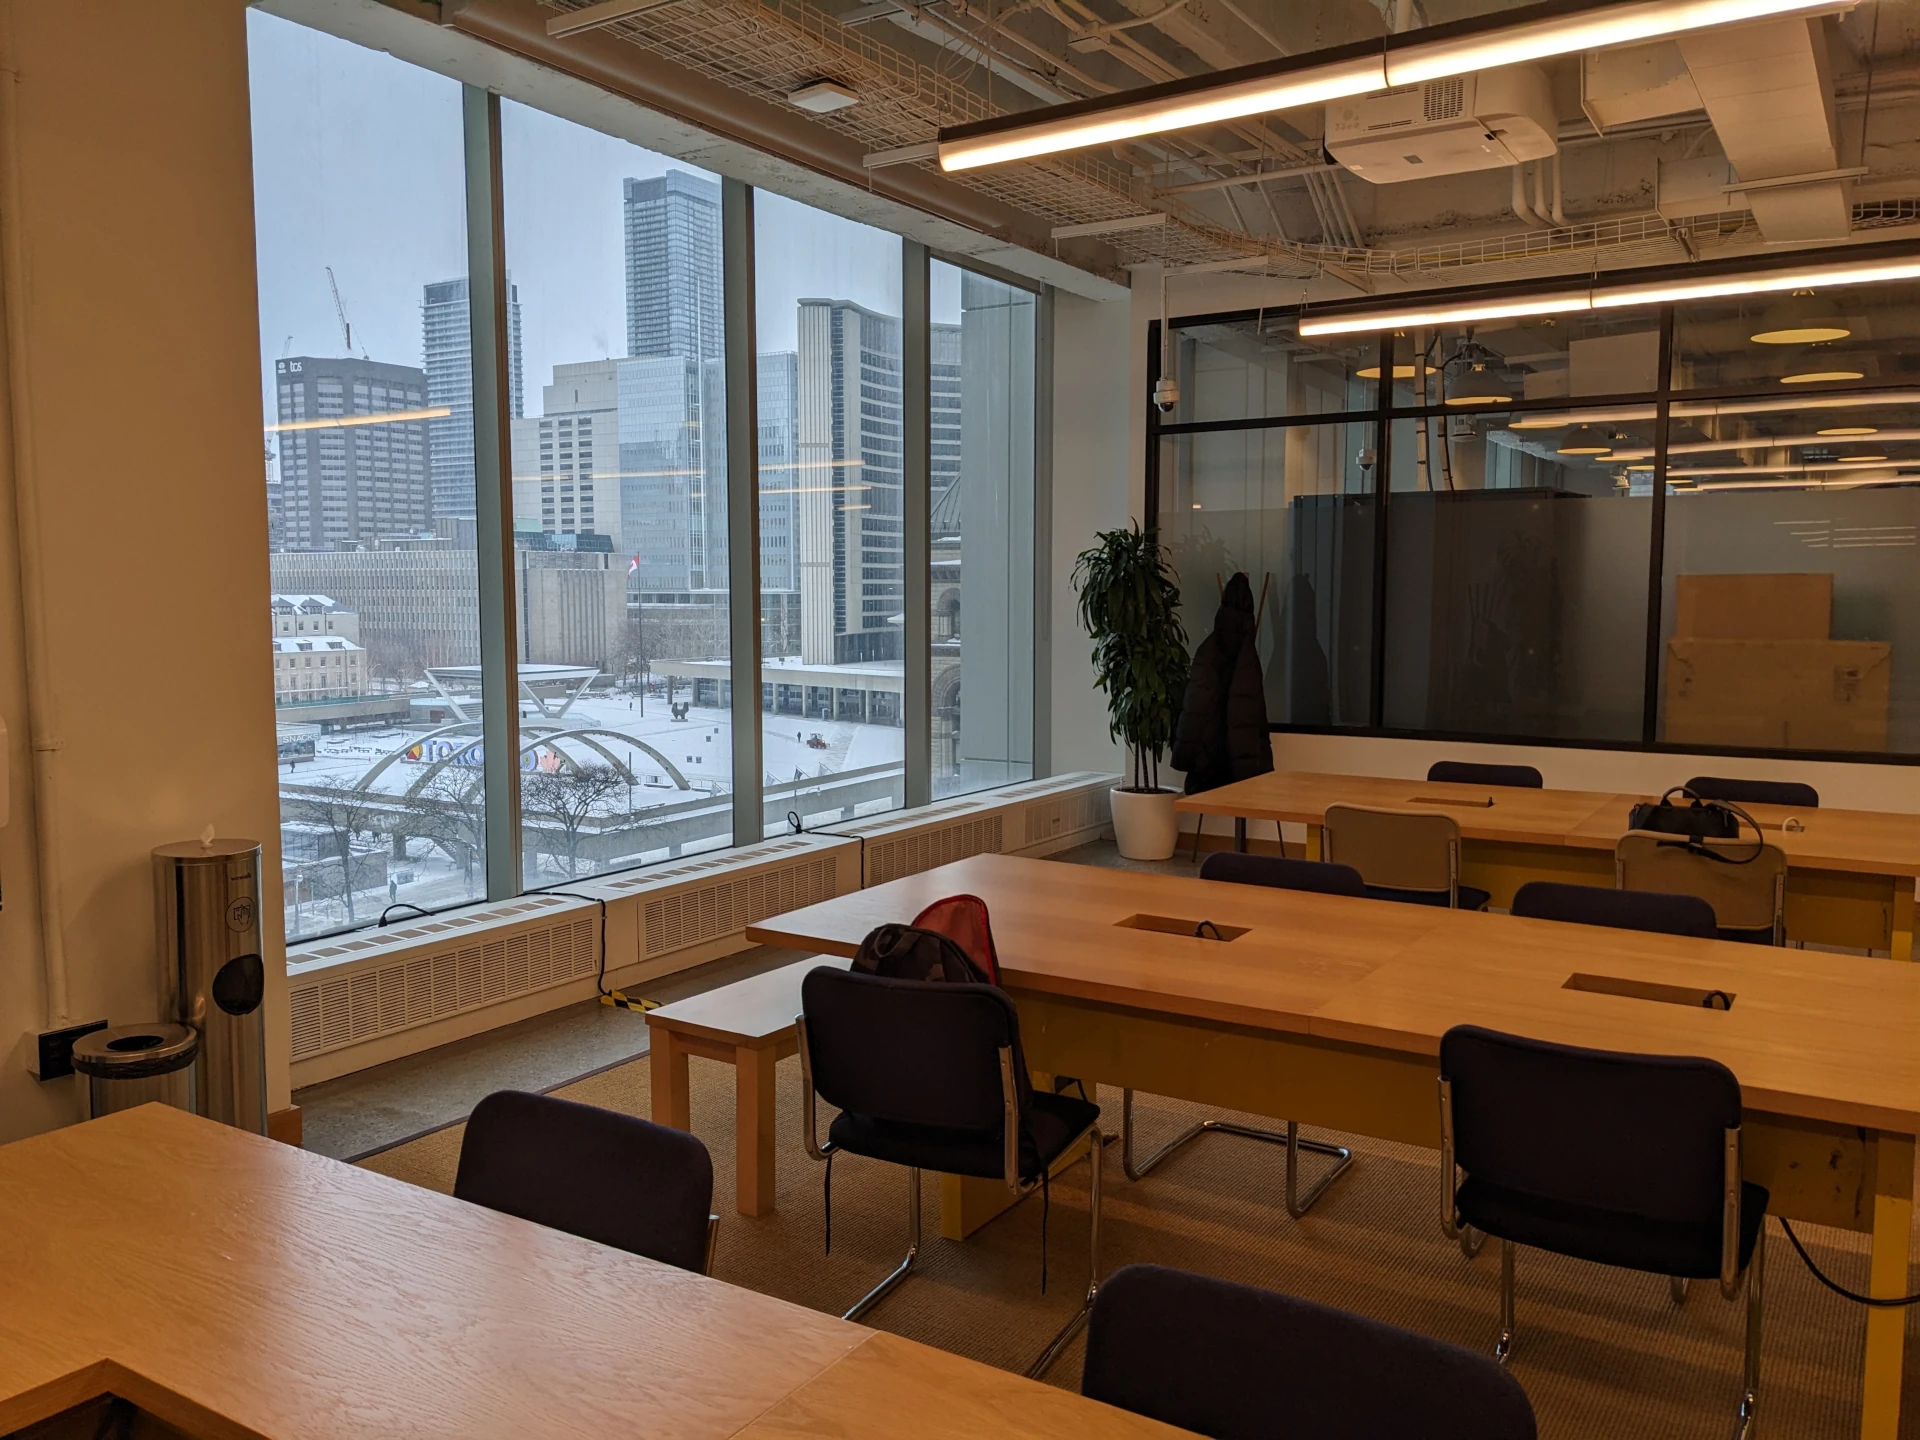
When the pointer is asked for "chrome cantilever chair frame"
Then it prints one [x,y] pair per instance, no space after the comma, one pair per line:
[1297,1204]
[1010,1165]
[1730,1274]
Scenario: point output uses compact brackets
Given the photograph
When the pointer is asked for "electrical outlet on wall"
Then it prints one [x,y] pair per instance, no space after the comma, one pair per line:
[53,1055]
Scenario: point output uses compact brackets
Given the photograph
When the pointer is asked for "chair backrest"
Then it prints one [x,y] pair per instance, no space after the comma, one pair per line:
[1747,896]
[1466,772]
[595,1173]
[1320,876]
[911,1052]
[1396,849]
[1620,909]
[1635,1134]
[1237,1363]
[1755,792]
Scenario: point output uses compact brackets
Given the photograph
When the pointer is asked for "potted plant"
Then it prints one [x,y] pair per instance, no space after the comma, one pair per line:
[1130,606]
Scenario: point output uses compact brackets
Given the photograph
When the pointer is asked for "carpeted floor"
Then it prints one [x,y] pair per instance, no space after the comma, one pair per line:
[1602,1353]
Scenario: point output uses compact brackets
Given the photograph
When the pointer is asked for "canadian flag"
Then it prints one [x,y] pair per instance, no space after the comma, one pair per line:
[633,564]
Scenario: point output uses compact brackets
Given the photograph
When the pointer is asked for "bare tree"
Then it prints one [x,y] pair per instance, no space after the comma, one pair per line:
[570,800]
[345,814]
[450,810]
[628,657]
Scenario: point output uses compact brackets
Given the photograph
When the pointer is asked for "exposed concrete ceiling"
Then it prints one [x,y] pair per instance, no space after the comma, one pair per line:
[1652,149]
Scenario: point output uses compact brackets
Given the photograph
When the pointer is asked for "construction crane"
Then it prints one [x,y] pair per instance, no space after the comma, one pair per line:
[340,309]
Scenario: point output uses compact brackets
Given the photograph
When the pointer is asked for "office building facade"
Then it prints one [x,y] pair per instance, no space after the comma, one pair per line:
[566,459]
[446,343]
[347,474]
[673,266]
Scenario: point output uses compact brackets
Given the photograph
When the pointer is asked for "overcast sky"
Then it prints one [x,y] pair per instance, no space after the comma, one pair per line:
[358,166]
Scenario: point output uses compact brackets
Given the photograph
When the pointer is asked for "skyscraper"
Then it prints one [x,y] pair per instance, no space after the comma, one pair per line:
[673,266]
[849,450]
[565,458]
[447,344]
[673,469]
[346,475]
[779,394]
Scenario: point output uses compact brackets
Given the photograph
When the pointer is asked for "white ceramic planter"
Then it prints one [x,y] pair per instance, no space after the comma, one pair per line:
[1145,826]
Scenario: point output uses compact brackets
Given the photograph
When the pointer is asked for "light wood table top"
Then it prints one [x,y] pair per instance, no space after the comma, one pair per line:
[1055,927]
[1858,842]
[237,1287]
[1302,797]
[1810,1034]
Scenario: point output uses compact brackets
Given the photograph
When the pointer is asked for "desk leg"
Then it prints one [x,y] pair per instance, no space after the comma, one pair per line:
[1315,843]
[1886,1327]
[667,1063]
[753,1130]
[1240,833]
[1901,947]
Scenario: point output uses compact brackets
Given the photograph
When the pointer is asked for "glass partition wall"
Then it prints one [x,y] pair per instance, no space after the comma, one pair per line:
[580,489]
[1689,527]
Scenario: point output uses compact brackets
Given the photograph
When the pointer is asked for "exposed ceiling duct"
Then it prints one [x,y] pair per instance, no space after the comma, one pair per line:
[1258,195]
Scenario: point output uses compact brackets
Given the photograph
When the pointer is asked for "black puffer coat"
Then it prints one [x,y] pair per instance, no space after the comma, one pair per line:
[1222,733]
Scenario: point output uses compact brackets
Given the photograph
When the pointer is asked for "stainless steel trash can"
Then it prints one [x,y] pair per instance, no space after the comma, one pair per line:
[212,976]
[131,1065]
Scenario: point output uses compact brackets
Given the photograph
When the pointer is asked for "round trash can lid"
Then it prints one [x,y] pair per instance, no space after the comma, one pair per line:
[134,1052]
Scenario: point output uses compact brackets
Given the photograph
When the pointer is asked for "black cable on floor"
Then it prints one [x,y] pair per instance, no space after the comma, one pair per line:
[600,975]
[1878,1302]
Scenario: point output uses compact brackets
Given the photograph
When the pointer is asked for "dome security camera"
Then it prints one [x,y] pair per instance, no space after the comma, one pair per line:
[1166,394]
[1365,458]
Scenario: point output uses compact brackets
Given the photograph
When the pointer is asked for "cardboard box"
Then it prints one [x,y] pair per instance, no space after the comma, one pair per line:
[1778,694]
[1753,607]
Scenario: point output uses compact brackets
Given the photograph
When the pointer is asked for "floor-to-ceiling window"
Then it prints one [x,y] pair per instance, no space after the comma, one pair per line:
[619,464]
[522,474]
[981,353]
[359,187]
[832,467]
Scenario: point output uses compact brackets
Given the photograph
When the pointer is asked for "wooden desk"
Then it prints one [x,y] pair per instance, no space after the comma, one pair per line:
[1850,878]
[748,1025]
[1329,1011]
[239,1289]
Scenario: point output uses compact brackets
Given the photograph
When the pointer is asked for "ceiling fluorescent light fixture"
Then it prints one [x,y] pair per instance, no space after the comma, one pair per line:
[1905,266]
[592,17]
[1536,32]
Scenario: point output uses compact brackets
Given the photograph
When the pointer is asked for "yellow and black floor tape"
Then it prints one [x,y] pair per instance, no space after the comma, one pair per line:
[628,1002]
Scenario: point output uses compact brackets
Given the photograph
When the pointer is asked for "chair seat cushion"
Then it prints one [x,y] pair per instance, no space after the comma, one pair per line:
[1052,1123]
[1471,898]
[1610,1237]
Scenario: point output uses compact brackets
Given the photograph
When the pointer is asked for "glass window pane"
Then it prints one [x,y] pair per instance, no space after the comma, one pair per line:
[1517,576]
[831,617]
[369,459]
[1791,600]
[619,499]
[1788,344]
[1294,508]
[1535,357]
[982,442]
[1255,366]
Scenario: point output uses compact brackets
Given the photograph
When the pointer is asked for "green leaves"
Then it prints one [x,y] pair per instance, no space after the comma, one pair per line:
[1130,606]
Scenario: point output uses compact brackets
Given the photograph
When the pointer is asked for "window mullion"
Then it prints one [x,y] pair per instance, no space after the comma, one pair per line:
[916,506]
[493,490]
[743,507]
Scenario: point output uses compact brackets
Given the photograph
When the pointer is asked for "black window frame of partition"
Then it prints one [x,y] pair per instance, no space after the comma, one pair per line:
[1383,412]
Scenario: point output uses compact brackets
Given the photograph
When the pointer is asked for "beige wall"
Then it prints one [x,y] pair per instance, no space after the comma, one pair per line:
[136,214]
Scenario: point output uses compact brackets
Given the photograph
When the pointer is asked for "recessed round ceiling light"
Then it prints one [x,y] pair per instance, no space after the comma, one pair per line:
[1815,377]
[1801,335]
[1852,430]
[1400,372]
[1861,459]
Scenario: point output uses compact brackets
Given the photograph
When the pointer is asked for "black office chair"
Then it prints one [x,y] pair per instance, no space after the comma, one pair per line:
[930,1075]
[1230,1361]
[595,1173]
[1617,909]
[1466,772]
[1629,1160]
[1755,792]
[1319,876]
